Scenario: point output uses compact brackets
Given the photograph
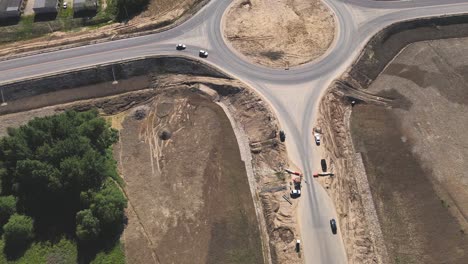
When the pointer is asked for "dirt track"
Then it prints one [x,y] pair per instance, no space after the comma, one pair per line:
[414,152]
[279,33]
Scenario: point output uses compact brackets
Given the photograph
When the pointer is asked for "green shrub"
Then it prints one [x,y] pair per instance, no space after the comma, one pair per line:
[7,208]
[87,225]
[18,231]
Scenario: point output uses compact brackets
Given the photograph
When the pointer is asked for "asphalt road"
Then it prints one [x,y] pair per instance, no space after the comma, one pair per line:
[293,94]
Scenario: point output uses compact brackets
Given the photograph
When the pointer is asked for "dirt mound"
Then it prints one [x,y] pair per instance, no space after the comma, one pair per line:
[280,33]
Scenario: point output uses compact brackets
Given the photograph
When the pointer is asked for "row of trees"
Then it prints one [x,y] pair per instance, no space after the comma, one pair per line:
[125,9]
[58,176]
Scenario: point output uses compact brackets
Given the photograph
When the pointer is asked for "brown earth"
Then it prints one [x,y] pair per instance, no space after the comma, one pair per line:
[418,174]
[266,155]
[279,33]
[189,195]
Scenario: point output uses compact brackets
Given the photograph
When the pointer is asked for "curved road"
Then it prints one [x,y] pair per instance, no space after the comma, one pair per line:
[293,95]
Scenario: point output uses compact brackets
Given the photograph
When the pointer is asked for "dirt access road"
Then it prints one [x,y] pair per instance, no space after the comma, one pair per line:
[279,33]
[415,152]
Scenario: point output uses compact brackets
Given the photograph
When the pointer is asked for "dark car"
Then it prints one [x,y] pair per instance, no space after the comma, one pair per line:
[282,136]
[333,226]
[324,165]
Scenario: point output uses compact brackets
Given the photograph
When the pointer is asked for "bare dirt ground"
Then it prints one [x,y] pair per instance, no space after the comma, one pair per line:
[159,14]
[418,174]
[280,33]
[181,181]
[189,195]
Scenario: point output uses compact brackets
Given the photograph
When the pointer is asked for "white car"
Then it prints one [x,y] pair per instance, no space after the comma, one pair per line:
[203,53]
[317,138]
[65,5]
[295,193]
[181,46]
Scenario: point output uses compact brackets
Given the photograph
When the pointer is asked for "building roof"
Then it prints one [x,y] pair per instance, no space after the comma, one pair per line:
[45,4]
[84,4]
[10,5]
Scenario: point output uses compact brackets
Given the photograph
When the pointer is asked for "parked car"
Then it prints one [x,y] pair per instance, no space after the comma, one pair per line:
[333,226]
[282,136]
[181,46]
[203,54]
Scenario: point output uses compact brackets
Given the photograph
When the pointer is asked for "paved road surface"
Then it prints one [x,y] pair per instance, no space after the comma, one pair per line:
[294,94]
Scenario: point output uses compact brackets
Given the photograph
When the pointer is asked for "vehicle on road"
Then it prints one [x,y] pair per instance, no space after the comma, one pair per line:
[296,188]
[323,163]
[333,226]
[203,54]
[282,136]
[317,138]
[181,46]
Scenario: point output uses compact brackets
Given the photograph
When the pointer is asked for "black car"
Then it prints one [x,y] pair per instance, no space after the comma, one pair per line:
[324,165]
[282,136]
[333,226]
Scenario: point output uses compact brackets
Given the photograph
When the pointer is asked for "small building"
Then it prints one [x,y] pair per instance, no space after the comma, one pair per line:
[85,6]
[45,6]
[10,8]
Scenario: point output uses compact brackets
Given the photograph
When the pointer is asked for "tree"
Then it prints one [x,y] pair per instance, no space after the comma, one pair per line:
[18,231]
[87,226]
[7,208]
[124,9]
[108,205]
[59,168]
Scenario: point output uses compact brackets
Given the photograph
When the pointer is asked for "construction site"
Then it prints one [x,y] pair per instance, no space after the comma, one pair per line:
[396,138]
[232,202]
